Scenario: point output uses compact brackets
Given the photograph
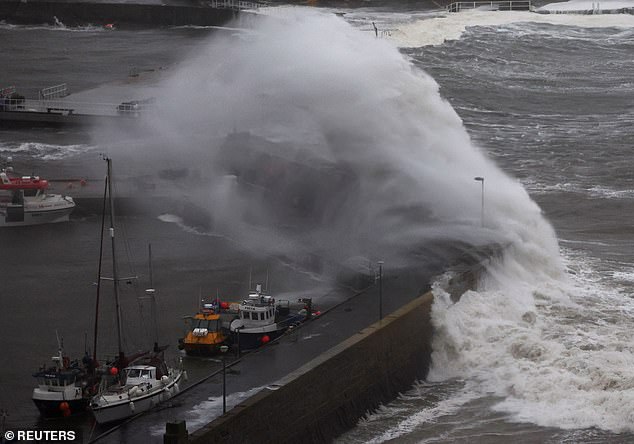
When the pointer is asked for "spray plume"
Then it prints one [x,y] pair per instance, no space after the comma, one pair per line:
[308,134]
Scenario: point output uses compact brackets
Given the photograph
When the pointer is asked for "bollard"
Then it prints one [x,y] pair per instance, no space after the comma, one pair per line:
[175,433]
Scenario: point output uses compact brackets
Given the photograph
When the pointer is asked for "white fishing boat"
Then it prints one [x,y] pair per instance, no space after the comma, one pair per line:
[262,319]
[66,387]
[131,385]
[25,201]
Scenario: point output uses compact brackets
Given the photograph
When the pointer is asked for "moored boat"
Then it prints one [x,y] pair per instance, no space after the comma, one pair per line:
[205,334]
[132,384]
[25,201]
[137,388]
[263,319]
[66,387]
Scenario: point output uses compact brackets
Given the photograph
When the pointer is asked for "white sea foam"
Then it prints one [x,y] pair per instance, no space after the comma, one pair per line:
[44,151]
[558,351]
[410,420]
[56,27]
[437,30]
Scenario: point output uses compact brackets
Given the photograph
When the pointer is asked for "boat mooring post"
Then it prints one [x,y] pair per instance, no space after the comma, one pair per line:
[223,350]
[381,289]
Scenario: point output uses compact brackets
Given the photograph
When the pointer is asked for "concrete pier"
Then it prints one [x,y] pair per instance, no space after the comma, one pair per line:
[330,393]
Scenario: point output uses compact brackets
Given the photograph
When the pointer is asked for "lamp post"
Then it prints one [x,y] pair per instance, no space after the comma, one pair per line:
[481,179]
[238,341]
[380,289]
[223,350]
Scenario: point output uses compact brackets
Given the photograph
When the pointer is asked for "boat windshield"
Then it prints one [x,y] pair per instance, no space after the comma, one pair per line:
[210,325]
[138,373]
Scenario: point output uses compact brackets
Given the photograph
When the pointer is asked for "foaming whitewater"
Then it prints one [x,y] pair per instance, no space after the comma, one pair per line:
[43,151]
[552,352]
[436,29]
[310,134]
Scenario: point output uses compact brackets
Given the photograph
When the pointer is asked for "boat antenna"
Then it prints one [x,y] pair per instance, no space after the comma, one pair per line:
[250,271]
[115,277]
[266,283]
[60,342]
[149,248]
[103,224]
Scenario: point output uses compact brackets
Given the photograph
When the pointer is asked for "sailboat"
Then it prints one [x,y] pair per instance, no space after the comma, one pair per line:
[132,384]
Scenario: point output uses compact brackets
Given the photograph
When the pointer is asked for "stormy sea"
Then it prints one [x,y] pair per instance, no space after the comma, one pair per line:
[473,128]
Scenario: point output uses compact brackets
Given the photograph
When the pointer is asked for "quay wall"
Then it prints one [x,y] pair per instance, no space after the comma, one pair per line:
[80,13]
[329,394]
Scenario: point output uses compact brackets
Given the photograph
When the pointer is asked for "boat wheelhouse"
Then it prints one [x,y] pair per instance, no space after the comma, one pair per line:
[64,388]
[262,319]
[205,334]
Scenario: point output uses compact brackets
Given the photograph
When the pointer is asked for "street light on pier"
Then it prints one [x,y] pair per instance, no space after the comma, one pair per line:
[223,350]
[481,179]
[380,277]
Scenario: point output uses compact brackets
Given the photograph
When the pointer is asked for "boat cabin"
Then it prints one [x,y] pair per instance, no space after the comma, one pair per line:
[204,324]
[257,310]
[53,380]
[138,374]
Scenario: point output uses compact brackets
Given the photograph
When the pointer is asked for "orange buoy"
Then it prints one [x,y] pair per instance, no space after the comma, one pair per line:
[265,339]
[64,406]
[114,371]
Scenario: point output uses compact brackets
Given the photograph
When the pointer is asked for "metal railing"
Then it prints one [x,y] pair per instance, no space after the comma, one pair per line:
[234,4]
[508,5]
[132,108]
[53,92]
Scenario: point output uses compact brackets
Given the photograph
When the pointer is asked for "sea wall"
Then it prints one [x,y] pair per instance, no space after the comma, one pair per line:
[82,13]
[328,395]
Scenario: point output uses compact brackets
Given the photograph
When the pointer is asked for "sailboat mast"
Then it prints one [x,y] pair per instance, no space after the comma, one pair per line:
[103,224]
[115,277]
[150,292]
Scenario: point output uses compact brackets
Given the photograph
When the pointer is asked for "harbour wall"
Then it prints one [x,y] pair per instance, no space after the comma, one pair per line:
[328,395]
[81,13]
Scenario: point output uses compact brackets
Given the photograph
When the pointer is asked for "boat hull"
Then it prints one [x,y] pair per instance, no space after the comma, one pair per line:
[128,407]
[201,349]
[11,218]
[249,340]
[51,408]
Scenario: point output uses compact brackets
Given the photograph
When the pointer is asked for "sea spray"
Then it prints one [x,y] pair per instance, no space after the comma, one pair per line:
[309,134]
